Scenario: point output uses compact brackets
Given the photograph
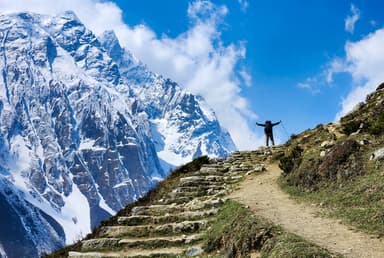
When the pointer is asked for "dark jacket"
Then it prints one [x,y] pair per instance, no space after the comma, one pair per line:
[268,126]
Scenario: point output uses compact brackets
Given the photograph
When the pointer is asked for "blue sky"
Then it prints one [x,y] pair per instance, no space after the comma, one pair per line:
[286,43]
[304,62]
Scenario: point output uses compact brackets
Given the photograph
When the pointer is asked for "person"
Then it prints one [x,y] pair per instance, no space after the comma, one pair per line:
[268,130]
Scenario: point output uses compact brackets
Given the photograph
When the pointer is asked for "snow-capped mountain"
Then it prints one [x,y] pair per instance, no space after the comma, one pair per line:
[183,126]
[82,126]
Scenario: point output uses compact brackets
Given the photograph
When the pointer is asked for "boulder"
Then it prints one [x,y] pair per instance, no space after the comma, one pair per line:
[194,251]
[378,154]
[327,144]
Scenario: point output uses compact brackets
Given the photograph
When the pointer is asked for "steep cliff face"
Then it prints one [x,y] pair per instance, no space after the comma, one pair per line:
[182,125]
[78,138]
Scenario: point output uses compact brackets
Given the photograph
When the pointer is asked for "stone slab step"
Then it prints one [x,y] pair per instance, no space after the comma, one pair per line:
[168,218]
[205,193]
[203,178]
[162,209]
[195,205]
[211,170]
[176,200]
[105,244]
[185,200]
[183,227]
[226,180]
[161,241]
[206,183]
[186,189]
[158,209]
[213,167]
[201,201]
[210,173]
[158,252]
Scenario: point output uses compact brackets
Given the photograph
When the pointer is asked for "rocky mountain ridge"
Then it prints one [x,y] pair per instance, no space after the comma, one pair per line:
[78,141]
[183,126]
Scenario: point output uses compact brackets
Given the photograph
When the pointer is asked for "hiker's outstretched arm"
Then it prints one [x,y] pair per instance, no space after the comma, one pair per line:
[260,124]
[276,123]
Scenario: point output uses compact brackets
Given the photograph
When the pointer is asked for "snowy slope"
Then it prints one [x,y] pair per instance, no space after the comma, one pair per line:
[82,126]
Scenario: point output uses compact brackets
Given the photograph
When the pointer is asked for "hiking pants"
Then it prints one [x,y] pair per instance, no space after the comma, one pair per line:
[269,136]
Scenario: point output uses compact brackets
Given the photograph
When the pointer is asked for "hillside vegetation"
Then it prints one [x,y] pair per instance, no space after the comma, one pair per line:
[340,166]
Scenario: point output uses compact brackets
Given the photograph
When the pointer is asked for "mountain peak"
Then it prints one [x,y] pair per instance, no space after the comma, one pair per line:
[111,44]
[69,15]
[109,36]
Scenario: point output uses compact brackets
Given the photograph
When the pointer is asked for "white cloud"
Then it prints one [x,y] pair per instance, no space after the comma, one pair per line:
[244,5]
[337,65]
[205,10]
[352,19]
[373,23]
[246,77]
[304,85]
[197,58]
[311,84]
[364,61]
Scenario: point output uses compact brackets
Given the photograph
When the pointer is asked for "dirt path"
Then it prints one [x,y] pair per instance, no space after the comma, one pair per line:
[264,197]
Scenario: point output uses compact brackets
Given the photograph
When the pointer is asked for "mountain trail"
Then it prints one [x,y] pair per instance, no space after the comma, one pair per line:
[264,197]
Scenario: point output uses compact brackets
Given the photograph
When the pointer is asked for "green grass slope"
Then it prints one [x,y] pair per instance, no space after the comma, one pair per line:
[339,166]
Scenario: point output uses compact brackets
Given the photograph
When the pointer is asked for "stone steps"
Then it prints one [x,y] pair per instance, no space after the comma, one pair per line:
[170,227]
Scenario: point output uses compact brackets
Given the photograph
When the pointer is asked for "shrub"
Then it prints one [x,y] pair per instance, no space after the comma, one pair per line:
[350,126]
[380,87]
[376,127]
[291,160]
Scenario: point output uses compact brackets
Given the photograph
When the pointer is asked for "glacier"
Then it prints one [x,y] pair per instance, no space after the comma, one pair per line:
[85,129]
